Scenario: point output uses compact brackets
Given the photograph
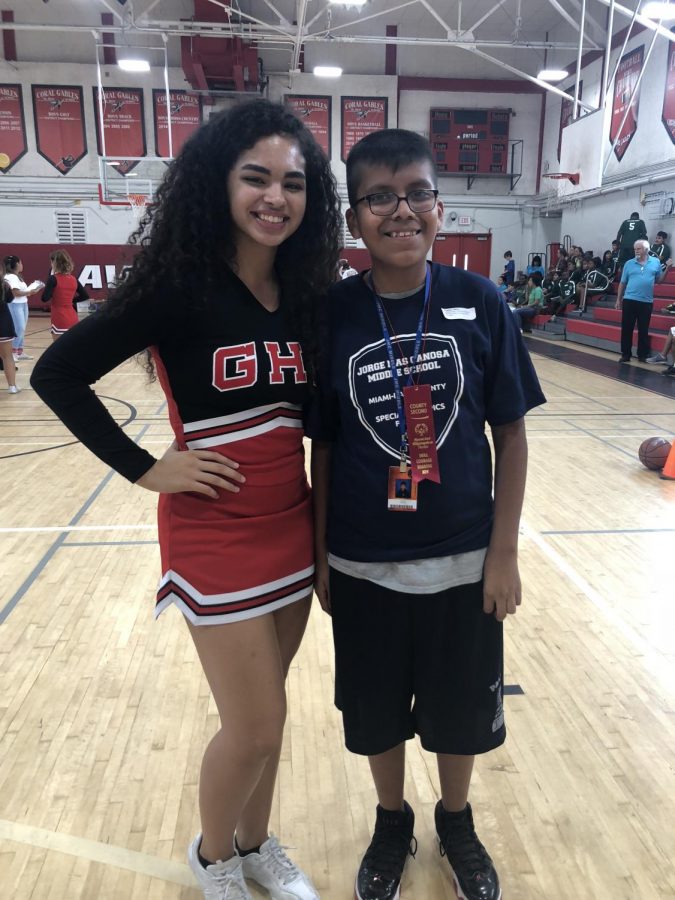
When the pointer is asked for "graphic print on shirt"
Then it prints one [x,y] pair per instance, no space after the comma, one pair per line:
[236,366]
[371,387]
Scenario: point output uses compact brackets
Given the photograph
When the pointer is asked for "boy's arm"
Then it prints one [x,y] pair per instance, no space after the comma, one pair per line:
[320,473]
[501,591]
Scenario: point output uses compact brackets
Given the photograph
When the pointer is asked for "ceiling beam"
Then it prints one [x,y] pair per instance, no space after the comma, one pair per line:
[299,34]
[575,23]
[643,20]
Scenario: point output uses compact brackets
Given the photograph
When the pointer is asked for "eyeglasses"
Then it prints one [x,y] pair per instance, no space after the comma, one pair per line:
[385,203]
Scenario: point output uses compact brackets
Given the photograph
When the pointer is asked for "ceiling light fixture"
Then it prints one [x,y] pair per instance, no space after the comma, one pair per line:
[327,71]
[659,10]
[134,65]
[552,74]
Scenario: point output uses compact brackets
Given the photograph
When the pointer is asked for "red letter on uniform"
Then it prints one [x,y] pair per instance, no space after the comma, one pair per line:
[243,368]
[292,361]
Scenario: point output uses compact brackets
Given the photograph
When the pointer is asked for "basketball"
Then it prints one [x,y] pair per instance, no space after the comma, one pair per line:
[4,160]
[654,452]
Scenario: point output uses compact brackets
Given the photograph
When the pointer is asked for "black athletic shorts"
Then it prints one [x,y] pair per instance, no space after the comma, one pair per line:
[431,664]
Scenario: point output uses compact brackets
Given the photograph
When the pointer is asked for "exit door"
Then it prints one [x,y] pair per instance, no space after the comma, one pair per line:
[466,251]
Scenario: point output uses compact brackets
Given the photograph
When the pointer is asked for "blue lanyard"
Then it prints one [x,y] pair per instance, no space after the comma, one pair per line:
[398,393]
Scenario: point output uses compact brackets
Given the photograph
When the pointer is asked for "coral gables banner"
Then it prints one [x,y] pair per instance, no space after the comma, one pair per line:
[315,114]
[123,125]
[361,116]
[186,117]
[624,85]
[668,114]
[60,134]
[12,124]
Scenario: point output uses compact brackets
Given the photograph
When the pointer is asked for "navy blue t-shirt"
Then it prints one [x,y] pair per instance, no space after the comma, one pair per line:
[479,370]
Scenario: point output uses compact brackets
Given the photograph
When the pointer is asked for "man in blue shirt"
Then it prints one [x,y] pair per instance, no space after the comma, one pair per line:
[636,298]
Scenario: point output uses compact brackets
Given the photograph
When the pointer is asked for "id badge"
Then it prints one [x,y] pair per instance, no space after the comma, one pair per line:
[402,492]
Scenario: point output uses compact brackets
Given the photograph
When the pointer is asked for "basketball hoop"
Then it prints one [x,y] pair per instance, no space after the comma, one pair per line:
[572,177]
[138,203]
[563,184]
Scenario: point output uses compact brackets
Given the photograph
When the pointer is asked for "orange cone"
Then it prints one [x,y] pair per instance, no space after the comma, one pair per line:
[668,470]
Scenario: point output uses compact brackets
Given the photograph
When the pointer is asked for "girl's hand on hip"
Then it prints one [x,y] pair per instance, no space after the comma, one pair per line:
[194,471]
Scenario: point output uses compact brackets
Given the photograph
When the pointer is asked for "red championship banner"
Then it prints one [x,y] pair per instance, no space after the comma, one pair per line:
[315,115]
[566,112]
[123,123]
[624,84]
[59,125]
[668,114]
[12,126]
[361,116]
[186,117]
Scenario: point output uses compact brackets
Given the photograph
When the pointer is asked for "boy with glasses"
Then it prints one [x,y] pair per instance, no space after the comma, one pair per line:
[419,358]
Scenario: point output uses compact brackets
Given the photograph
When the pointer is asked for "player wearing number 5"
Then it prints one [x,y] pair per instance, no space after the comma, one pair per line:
[631,230]
[419,359]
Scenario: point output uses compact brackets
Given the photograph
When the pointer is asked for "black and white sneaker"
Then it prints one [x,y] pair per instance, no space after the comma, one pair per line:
[379,876]
[473,872]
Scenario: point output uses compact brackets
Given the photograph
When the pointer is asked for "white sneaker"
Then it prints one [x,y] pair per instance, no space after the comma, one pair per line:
[23,356]
[13,389]
[657,358]
[222,880]
[272,869]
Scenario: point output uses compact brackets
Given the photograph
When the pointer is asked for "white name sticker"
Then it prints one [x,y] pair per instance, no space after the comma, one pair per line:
[460,312]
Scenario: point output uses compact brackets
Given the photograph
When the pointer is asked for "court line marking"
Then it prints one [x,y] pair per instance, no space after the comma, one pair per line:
[96,851]
[652,658]
[49,553]
[66,528]
[614,531]
[105,543]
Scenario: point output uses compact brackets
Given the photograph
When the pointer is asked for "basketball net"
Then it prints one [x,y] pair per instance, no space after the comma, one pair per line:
[561,188]
[138,203]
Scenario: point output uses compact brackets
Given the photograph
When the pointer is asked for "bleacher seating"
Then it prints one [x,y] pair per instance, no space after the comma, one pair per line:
[600,325]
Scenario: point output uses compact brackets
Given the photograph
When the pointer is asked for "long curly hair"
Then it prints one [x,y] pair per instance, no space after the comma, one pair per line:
[190,225]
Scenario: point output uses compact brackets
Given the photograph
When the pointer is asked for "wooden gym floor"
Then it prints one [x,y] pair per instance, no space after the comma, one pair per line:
[104,712]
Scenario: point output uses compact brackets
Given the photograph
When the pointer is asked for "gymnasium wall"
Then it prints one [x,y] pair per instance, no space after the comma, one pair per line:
[593,221]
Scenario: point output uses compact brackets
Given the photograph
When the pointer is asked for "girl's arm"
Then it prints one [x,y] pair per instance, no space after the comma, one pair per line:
[502,592]
[320,472]
[62,378]
[50,284]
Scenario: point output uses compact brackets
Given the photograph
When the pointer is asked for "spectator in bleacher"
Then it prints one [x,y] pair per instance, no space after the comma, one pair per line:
[504,289]
[576,271]
[595,283]
[659,248]
[630,231]
[568,289]
[535,266]
[615,254]
[636,298]
[534,303]
[563,259]
[608,265]
[509,273]
[668,355]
